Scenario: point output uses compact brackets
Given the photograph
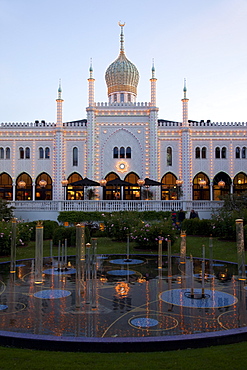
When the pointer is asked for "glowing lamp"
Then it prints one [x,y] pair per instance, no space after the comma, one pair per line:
[103,182]
[64,182]
[42,183]
[221,184]
[140,182]
[21,184]
[179,182]
[202,183]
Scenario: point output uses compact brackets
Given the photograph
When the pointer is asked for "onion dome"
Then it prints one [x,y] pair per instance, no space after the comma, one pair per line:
[122,75]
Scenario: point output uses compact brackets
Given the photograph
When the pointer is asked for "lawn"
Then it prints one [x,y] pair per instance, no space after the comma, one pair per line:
[232,357]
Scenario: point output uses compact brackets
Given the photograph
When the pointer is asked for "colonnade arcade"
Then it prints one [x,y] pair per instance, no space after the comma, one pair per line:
[221,185]
[24,188]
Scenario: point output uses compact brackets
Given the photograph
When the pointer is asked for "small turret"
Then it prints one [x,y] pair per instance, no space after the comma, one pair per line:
[59,106]
[185,106]
[91,85]
[153,86]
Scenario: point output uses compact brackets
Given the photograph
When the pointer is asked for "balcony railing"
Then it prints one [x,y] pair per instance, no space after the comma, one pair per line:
[116,205]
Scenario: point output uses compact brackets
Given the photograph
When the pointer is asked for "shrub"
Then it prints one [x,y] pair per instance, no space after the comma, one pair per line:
[119,224]
[25,231]
[6,210]
[74,217]
[245,236]
[69,233]
[5,238]
[196,226]
[49,228]
[147,236]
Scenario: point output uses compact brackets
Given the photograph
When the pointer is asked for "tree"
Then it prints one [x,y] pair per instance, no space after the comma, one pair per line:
[6,210]
[235,202]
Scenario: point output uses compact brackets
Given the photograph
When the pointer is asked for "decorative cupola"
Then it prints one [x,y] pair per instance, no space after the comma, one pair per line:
[122,77]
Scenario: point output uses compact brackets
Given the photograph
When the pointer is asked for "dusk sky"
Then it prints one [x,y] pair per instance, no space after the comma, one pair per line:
[202,41]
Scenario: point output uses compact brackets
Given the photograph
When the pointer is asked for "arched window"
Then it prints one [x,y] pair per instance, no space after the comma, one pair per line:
[198,152]
[24,187]
[128,152]
[47,153]
[218,190]
[240,183]
[111,191]
[122,152]
[74,192]
[7,152]
[75,156]
[169,156]
[115,152]
[27,153]
[21,151]
[43,187]
[223,152]
[121,97]
[1,153]
[169,187]
[217,152]
[41,153]
[201,187]
[204,152]
[237,152]
[6,189]
[132,192]
[244,152]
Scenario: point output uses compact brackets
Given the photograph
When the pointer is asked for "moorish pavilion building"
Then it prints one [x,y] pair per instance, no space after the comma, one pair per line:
[121,156]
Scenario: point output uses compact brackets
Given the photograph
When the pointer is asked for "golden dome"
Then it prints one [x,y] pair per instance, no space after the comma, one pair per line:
[122,75]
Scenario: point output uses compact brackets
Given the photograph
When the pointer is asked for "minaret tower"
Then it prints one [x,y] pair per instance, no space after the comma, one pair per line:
[153,134]
[153,87]
[59,106]
[185,106]
[186,163]
[91,86]
[91,124]
[59,150]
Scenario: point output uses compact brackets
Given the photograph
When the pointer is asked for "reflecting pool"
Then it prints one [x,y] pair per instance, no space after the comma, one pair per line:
[121,298]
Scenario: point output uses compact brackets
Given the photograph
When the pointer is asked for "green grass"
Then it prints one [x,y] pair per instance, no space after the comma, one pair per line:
[228,357]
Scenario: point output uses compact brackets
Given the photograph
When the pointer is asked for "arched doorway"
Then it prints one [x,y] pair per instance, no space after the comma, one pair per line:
[74,192]
[111,192]
[132,192]
[169,189]
[240,183]
[201,187]
[43,187]
[220,190]
[24,187]
[6,189]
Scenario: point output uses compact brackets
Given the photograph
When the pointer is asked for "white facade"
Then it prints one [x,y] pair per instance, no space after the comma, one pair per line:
[122,138]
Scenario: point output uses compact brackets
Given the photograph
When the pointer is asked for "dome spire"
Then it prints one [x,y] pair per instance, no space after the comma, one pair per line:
[59,90]
[121,37]
[185,89]
[91,68]
[122,76]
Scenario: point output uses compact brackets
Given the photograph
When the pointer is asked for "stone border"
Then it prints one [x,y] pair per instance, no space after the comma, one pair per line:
[124,344]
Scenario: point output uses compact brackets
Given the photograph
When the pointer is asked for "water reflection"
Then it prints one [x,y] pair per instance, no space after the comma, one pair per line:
[119,301]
